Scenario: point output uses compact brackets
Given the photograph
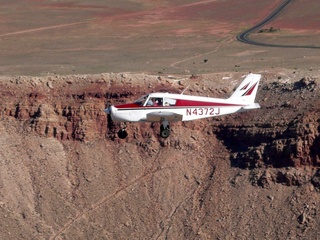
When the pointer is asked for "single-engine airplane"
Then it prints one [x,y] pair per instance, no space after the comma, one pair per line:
[167,107]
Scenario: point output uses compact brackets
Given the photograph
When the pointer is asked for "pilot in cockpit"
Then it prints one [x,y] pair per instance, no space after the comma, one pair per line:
[150,102]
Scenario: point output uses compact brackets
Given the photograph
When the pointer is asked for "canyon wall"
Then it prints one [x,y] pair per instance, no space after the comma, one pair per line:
[65,174]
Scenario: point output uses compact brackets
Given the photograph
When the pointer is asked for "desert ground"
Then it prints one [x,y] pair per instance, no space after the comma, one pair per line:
[81,37]
[64,173]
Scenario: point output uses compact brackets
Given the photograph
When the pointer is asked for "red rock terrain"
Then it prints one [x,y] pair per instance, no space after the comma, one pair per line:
[65,174]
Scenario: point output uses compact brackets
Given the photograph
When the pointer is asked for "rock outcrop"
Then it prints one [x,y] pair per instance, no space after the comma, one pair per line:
[65,173]
[285,135]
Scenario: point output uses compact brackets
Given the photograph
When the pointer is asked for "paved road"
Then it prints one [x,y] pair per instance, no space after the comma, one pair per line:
[244,36]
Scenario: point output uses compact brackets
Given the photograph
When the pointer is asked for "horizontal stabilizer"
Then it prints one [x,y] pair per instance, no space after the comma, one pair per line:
[252,106]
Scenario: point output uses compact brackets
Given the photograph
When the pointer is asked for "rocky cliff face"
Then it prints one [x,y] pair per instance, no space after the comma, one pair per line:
[59,108]
[286,134]
[65,174]
[69,108]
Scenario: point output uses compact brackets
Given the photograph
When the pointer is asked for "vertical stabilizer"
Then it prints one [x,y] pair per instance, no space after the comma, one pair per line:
[247,90]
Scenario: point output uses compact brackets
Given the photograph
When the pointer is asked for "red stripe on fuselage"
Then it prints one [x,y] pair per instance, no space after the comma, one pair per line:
[128,105]
[180,103]
[193,103]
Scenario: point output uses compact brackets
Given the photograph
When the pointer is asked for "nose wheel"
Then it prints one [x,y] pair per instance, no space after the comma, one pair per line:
[122,133]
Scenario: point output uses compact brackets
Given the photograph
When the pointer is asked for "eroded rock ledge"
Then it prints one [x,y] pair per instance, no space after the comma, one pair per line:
[283,133]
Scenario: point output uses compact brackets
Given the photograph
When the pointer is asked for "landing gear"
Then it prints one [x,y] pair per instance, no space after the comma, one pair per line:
[164,129]
[122,133]
[165,133]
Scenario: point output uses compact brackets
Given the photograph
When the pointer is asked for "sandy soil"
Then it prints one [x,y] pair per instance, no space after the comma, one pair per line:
[41,37]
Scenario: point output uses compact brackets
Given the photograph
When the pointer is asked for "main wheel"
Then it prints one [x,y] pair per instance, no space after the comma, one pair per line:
[165,133]
[122,134]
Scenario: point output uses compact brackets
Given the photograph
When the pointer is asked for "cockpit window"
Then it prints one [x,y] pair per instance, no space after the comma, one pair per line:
[169,102]
[149,101]
[141,101]
[155,102]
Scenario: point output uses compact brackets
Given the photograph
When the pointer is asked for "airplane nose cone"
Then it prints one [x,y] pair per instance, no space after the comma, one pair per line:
[108,110]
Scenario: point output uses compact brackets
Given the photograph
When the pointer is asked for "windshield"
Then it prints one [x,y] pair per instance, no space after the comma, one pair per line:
[141,100]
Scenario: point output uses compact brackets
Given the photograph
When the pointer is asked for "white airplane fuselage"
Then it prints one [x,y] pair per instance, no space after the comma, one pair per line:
[198,108]
[167,107]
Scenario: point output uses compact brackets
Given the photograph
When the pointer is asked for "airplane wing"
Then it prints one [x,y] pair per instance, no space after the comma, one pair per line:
[160,116]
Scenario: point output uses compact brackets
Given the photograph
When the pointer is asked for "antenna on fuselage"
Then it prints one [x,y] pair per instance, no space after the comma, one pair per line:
[185,89]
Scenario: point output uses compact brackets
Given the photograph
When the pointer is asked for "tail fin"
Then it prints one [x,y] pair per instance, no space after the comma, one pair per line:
[247,91]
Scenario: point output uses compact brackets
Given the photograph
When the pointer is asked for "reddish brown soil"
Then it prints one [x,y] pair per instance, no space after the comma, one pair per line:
[300,16]
[44,37]
[64,173]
